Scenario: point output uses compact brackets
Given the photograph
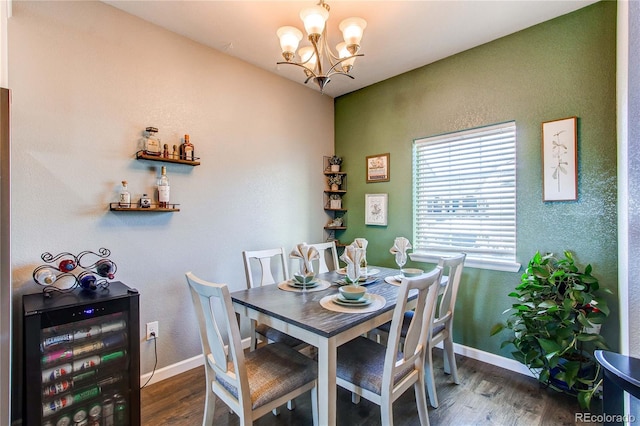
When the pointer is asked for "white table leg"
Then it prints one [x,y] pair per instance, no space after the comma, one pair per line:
[327,392]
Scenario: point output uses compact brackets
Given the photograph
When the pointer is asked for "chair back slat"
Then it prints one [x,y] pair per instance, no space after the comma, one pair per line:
[328,259]
[272,266]
[416,338]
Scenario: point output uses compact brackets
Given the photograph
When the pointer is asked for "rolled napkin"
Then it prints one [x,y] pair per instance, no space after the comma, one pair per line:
[399,249]
[352,256]
[306,254]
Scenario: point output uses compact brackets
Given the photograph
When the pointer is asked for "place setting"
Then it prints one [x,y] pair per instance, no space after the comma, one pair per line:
[304,283]
[353,296]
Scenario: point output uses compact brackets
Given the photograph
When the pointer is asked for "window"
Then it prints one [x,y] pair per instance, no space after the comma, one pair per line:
[465,196]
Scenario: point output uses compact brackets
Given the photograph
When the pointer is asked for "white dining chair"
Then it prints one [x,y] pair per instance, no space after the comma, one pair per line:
[262,267]
[328,260]
[381,374]
[250,384]
[442,324]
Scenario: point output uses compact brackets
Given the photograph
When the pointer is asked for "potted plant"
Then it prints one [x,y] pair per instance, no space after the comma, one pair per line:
[335,201]
[335,181]
[335,163]
[552,324]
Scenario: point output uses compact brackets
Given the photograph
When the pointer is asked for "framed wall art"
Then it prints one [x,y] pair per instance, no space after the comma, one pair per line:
[376,208]
[378,168]
[560,160]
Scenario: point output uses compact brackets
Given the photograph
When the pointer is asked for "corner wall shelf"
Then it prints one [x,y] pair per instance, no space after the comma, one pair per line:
[140,155]
[115,207]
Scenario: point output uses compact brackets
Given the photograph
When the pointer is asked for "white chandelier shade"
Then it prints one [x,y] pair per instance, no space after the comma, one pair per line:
[318,56]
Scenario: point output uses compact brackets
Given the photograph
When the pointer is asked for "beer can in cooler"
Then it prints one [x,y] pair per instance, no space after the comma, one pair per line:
[112,356]
[80,415]
[111,340]
[86,394]
[85,363]
[108,327]
[64,420]
[60,355]
[86,332]
[86,348]
[107,412]
[57,388]
[55,373]
[56,340]
[95,415]
[120,411]
[56,405]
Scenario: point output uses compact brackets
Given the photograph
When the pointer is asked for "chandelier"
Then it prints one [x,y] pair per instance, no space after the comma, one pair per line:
[318,61]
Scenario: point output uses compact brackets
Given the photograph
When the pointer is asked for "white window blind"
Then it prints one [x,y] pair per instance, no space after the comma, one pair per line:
[465,194]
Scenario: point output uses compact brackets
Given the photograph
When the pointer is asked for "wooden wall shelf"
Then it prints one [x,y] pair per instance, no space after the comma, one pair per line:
[115,207]
[140,155]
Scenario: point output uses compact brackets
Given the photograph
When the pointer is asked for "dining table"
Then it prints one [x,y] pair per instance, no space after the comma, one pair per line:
[310,315]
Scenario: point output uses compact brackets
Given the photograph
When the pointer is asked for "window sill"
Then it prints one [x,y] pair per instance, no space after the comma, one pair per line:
[433,257]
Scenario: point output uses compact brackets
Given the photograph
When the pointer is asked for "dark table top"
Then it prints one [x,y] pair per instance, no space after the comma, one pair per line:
[625,370]
[303,309]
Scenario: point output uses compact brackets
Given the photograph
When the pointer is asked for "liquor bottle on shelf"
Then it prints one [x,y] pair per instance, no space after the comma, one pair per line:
[152,144]
[187,149]
[125,196]
[163,189]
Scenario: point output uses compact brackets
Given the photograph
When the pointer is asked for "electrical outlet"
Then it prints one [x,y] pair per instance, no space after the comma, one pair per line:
[152,327]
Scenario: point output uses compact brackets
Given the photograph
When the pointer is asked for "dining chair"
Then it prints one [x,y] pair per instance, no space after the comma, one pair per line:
[442,324]
[381,374]
[327,250]
[269,263]
[250,384]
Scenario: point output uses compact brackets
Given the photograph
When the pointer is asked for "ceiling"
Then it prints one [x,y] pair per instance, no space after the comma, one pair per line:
[400,35]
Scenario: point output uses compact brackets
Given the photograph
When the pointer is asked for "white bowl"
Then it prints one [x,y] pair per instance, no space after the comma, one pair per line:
[412,272]
[304,278]
[352,292]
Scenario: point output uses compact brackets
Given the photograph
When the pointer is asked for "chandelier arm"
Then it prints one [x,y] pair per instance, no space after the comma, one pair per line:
[341,73]
[332,69]
[317,51]
[299,65]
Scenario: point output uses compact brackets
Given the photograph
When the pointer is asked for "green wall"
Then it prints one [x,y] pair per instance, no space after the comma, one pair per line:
[560,68]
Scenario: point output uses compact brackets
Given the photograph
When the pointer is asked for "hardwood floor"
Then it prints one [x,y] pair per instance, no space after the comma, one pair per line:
[487,395]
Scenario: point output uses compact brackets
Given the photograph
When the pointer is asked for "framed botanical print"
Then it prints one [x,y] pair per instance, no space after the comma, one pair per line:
[378,168]
[560,160]
[376,208]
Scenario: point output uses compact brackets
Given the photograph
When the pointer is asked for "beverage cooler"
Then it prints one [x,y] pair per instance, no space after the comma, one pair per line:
[82,357]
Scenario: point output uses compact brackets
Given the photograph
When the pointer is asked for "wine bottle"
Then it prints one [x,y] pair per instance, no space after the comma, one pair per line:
[163,189]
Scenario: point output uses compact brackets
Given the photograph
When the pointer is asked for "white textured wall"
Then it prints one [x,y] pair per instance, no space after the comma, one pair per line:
[86,80]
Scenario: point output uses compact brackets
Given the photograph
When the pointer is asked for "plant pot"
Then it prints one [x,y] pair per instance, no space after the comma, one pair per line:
[335,167]
[335,187]
[588,371]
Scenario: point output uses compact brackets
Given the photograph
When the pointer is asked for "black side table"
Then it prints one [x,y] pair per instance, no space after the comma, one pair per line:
[621,373]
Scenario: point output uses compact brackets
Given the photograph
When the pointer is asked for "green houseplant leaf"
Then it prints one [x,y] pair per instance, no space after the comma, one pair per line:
[554,324]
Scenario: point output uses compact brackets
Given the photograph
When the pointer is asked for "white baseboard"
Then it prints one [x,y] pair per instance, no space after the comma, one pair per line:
[489,358]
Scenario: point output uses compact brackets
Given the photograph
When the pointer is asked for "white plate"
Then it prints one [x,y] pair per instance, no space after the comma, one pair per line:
[359,301]
[368,281]
[366,302]
[370,272]
[296,284]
